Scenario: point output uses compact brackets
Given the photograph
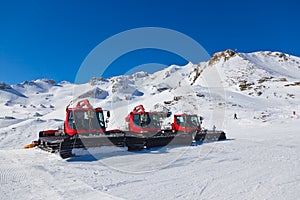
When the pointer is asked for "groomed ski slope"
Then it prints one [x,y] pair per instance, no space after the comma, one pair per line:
[256,162]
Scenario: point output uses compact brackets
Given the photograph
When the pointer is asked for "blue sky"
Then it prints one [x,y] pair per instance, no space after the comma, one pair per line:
[51,38]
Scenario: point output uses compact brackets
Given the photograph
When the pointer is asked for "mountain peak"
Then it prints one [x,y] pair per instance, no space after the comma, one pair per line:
[4,86]
[97,81]
[49,81]
[225,55]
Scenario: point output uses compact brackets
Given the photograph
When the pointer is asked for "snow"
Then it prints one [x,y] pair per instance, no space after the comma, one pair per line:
[260,159]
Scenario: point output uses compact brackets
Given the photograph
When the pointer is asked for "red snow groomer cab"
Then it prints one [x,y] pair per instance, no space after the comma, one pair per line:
[141,126]
[84,127]
[141,122]
[186,123]
[144,129]
[83,118]
[189,123]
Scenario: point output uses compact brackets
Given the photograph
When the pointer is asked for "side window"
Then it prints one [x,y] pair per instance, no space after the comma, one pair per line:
[154,120]
[71,120]
[101,119]
[195,121]
[136,120]
[179,120]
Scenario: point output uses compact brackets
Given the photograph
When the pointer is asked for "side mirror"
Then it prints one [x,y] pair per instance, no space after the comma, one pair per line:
[201,118]
[108,114]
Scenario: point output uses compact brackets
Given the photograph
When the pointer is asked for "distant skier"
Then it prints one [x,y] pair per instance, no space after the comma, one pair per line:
[294,114]
[214,128]
[235,116]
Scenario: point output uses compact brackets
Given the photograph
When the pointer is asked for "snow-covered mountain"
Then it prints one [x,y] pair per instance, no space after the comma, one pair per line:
[261,87]
[263,82]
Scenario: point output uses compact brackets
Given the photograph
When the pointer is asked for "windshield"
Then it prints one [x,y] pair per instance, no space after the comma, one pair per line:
[146,120]
[188,121]
[86,120]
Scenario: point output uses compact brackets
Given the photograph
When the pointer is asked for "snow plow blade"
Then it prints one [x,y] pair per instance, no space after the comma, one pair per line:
[210,135]
[31,145]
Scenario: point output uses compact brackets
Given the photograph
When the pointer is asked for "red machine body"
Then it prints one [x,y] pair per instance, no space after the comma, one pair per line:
[83,118]
[84,127]
[141,122]
[186,123]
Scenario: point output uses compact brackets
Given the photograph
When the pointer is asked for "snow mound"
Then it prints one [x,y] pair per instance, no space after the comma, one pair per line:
[162,87]
[95,93]
[7,88]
